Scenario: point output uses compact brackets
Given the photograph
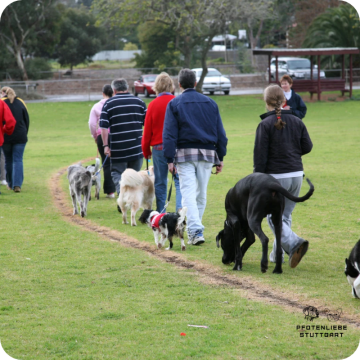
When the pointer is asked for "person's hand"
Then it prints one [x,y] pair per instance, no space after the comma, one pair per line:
[149,157]
[95,141]
[219,167]
[107,151]
[172,168]
[287,107]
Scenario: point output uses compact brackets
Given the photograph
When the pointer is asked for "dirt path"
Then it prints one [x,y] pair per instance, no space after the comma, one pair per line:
[206,273]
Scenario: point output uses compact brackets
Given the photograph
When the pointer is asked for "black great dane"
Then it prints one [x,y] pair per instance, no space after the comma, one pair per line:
[246,204]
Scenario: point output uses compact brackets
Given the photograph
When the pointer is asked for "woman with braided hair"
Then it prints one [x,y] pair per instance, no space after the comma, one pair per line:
[280,141]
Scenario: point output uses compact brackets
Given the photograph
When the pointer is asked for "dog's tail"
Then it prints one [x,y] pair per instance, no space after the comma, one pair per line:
[182,214]
[131,178]
[281,190]
[97,165]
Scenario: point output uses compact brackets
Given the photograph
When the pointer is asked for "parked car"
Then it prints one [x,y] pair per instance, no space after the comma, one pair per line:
[145,85]
[214,81]
[297,68]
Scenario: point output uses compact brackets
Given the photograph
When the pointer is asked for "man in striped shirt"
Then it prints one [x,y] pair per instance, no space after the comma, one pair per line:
[124,115]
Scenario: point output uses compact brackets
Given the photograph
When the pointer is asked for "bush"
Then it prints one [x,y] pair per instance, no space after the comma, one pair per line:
[130,46]
[244,64]
[38,68]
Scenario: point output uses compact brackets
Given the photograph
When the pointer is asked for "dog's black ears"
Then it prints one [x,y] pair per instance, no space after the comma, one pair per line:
[219,237]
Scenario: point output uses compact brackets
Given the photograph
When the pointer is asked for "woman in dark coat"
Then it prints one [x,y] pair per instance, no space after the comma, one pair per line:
[14,144]
[294,102]
[280,141]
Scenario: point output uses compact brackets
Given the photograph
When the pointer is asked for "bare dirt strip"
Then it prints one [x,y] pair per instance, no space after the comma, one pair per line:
[206,273]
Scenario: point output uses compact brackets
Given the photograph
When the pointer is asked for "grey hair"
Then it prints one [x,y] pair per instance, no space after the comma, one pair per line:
[120,85]
[187,79]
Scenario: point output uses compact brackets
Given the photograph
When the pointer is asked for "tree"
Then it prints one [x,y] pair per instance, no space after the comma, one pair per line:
[22,21]
[337,27]
[306,12]
[195,22]
[80,39]
[158,47]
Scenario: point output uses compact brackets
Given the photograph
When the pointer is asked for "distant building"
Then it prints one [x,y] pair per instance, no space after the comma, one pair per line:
[115,55]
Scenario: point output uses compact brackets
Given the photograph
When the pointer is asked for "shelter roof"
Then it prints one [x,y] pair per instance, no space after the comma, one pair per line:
[306,52]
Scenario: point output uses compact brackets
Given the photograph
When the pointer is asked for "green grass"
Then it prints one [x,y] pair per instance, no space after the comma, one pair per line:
[68,294]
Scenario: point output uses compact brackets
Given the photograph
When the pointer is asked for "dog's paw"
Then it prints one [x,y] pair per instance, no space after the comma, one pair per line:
[159,246]
[183,248]
[237,268]
[82,214]
[264,267]
[277,271]
[133,224]
[125,222]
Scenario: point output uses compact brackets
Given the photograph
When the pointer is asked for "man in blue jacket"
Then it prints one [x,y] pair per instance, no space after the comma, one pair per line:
[194,139]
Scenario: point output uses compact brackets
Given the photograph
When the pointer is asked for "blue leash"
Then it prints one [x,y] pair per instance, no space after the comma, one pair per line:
[101,166]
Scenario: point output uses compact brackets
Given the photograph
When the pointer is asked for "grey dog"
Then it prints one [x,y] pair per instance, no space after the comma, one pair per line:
[80,186]
[95,177]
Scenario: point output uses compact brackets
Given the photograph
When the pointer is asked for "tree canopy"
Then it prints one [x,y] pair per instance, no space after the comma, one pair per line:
[26,23]
[336,27]
[79,39]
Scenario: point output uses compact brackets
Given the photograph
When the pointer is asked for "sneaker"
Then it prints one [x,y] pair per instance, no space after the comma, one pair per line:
[197,239]
[296,257]
[3,182]
[17,189]
[110,196]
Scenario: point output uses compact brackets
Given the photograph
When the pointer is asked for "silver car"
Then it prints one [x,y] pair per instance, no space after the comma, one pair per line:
[297,68]
[214,81]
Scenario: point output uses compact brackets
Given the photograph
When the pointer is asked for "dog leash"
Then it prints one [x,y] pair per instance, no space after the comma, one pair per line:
[101,166]
[169,196]
[147,166]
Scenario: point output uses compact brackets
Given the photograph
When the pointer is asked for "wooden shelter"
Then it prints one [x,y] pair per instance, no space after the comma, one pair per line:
[313,85]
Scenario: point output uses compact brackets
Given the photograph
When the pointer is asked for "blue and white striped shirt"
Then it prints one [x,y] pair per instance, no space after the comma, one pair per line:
[124,114]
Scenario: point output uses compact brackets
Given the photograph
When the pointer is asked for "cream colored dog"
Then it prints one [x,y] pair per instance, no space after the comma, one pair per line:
[136,191]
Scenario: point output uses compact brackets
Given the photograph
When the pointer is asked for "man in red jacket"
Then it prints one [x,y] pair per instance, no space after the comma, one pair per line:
[7,122]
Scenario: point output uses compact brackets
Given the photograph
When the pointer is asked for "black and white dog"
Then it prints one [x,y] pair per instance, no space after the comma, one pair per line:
[95,177]
[167,225]
[80,185]
[352,270]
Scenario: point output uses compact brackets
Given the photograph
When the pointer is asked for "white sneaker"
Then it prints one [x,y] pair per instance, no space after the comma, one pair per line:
[110,196]
[3,182]
[197,239]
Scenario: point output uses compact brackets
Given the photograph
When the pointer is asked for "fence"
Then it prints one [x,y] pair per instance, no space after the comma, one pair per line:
[89,83]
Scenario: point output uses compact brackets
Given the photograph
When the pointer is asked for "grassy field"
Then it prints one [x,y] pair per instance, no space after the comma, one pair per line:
[68,294]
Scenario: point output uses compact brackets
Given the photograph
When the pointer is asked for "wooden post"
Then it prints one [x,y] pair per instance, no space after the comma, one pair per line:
[269,57]
[277,70]
[318,80]
[343,67]
[311,67]
[350,94]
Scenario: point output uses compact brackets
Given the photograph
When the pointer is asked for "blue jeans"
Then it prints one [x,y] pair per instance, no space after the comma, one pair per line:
[289,240]
[161,180]
[117,168]
[14,164]
[194,177]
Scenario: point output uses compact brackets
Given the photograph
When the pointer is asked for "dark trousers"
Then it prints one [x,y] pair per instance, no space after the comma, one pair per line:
[109,186]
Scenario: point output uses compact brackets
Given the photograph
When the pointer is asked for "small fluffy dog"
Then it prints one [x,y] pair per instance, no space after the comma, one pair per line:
[79,185]
[95,177]
[352,270]
[136,191]
[167,225]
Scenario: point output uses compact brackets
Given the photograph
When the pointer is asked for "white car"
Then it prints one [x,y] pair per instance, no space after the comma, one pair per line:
[297,68]
[214,81]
